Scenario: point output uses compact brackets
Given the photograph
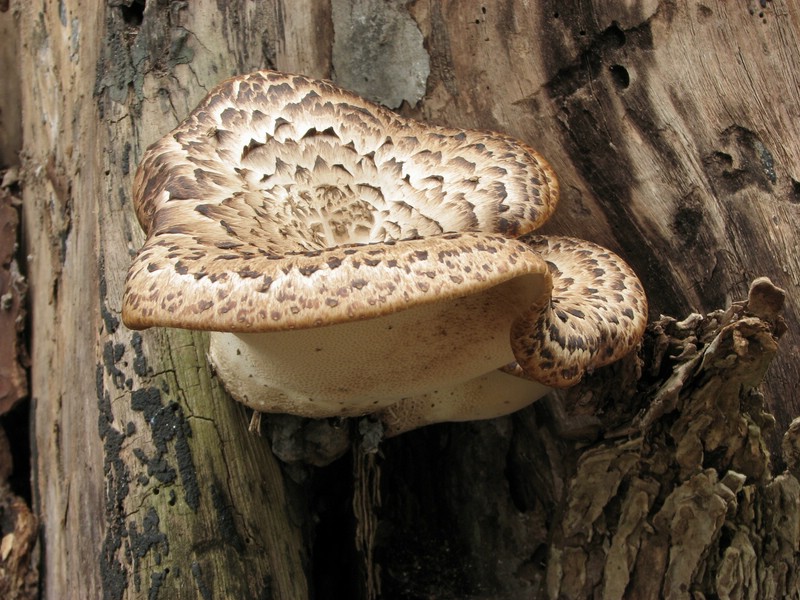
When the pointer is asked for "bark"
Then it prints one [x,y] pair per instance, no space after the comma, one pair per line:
[673,129]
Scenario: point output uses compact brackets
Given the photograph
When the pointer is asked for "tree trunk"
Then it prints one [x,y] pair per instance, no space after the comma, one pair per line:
[673,128]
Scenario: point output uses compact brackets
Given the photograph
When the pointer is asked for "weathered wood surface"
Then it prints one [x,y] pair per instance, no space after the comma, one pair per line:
[10,106]
[673,127]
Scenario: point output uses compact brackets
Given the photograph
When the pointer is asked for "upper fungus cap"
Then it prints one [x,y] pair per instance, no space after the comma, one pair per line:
[283,202]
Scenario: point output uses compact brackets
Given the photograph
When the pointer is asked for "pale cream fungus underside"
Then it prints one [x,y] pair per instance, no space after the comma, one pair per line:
[349,261]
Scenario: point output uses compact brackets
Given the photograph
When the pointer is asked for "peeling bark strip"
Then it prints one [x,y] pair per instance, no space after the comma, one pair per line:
[19,533]
[685,504]
[13,382]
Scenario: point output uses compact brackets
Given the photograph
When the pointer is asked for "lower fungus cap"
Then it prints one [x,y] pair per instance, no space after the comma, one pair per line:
[360,367]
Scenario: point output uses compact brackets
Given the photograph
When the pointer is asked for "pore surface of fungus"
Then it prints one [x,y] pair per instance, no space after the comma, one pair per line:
[349,261]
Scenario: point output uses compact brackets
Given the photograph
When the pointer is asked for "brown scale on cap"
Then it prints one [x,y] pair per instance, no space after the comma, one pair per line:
[286,203]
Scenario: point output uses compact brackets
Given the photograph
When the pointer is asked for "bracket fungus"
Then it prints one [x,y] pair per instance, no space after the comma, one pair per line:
[348,261]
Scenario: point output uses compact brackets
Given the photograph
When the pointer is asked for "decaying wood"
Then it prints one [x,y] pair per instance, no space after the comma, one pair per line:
[673,129]
[10,105]
[19,551]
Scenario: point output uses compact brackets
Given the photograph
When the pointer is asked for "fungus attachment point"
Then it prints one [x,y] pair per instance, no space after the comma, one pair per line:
[348,261]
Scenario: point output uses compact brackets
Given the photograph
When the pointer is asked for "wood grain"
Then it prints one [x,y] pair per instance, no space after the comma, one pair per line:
[145,469]
[673,128]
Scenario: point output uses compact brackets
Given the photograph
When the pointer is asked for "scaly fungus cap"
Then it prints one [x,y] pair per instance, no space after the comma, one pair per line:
[282,202]
[349,259]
